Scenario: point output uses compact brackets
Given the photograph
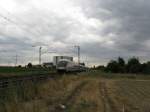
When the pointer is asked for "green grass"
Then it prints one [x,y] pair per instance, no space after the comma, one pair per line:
[20,70]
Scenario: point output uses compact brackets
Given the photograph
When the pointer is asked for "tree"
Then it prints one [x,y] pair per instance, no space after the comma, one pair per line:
[145,68]
[121,61]
[113,66]
[133,65]
[121,65]
[29,65]
[101,67]
[19,66]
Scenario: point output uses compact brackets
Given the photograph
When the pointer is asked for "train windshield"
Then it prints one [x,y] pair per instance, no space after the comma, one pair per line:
[62,64]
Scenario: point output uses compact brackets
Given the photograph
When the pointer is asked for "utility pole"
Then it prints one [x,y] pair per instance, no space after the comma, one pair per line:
[40,53]
[16,60]
[78,48]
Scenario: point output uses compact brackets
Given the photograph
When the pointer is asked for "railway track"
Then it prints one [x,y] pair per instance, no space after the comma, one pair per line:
[6,81]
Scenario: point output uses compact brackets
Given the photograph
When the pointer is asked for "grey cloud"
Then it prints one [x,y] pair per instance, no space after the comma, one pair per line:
[133,27]
[127,20]
[14,45]
[47,24]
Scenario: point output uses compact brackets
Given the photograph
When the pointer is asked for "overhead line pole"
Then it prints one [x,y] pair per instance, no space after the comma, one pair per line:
[79,54]
[78,48]
[40,53]
[16,60]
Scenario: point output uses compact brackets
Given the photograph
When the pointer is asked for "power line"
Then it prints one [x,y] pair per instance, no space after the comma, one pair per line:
[11,21]
[19,19]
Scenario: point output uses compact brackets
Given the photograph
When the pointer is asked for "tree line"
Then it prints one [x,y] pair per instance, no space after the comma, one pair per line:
[132,65]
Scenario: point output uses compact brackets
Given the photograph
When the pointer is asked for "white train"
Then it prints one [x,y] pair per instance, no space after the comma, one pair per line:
[65,65]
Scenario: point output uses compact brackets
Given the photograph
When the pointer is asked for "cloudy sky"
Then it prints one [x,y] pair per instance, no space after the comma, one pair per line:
[104,29]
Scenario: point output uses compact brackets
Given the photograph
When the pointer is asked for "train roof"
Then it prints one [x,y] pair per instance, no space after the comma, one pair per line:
[65,60]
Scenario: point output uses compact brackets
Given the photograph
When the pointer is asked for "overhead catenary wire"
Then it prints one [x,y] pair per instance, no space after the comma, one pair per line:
[11,21]
[25,30]
[16,24]
[18,19]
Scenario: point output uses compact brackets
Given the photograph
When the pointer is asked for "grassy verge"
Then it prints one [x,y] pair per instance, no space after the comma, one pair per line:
[16,71]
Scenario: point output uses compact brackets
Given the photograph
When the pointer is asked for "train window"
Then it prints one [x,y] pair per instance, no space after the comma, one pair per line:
[62,64]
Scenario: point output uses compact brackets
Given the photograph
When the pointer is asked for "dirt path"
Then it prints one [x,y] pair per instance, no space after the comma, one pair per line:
[69,100]
[108,104]
[90,91]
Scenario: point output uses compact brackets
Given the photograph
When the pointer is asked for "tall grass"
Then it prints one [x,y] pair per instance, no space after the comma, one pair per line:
[40,96]
[15,94]
[47,95]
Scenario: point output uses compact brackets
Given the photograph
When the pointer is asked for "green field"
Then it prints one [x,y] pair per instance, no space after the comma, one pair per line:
[16,71]
[94,91]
